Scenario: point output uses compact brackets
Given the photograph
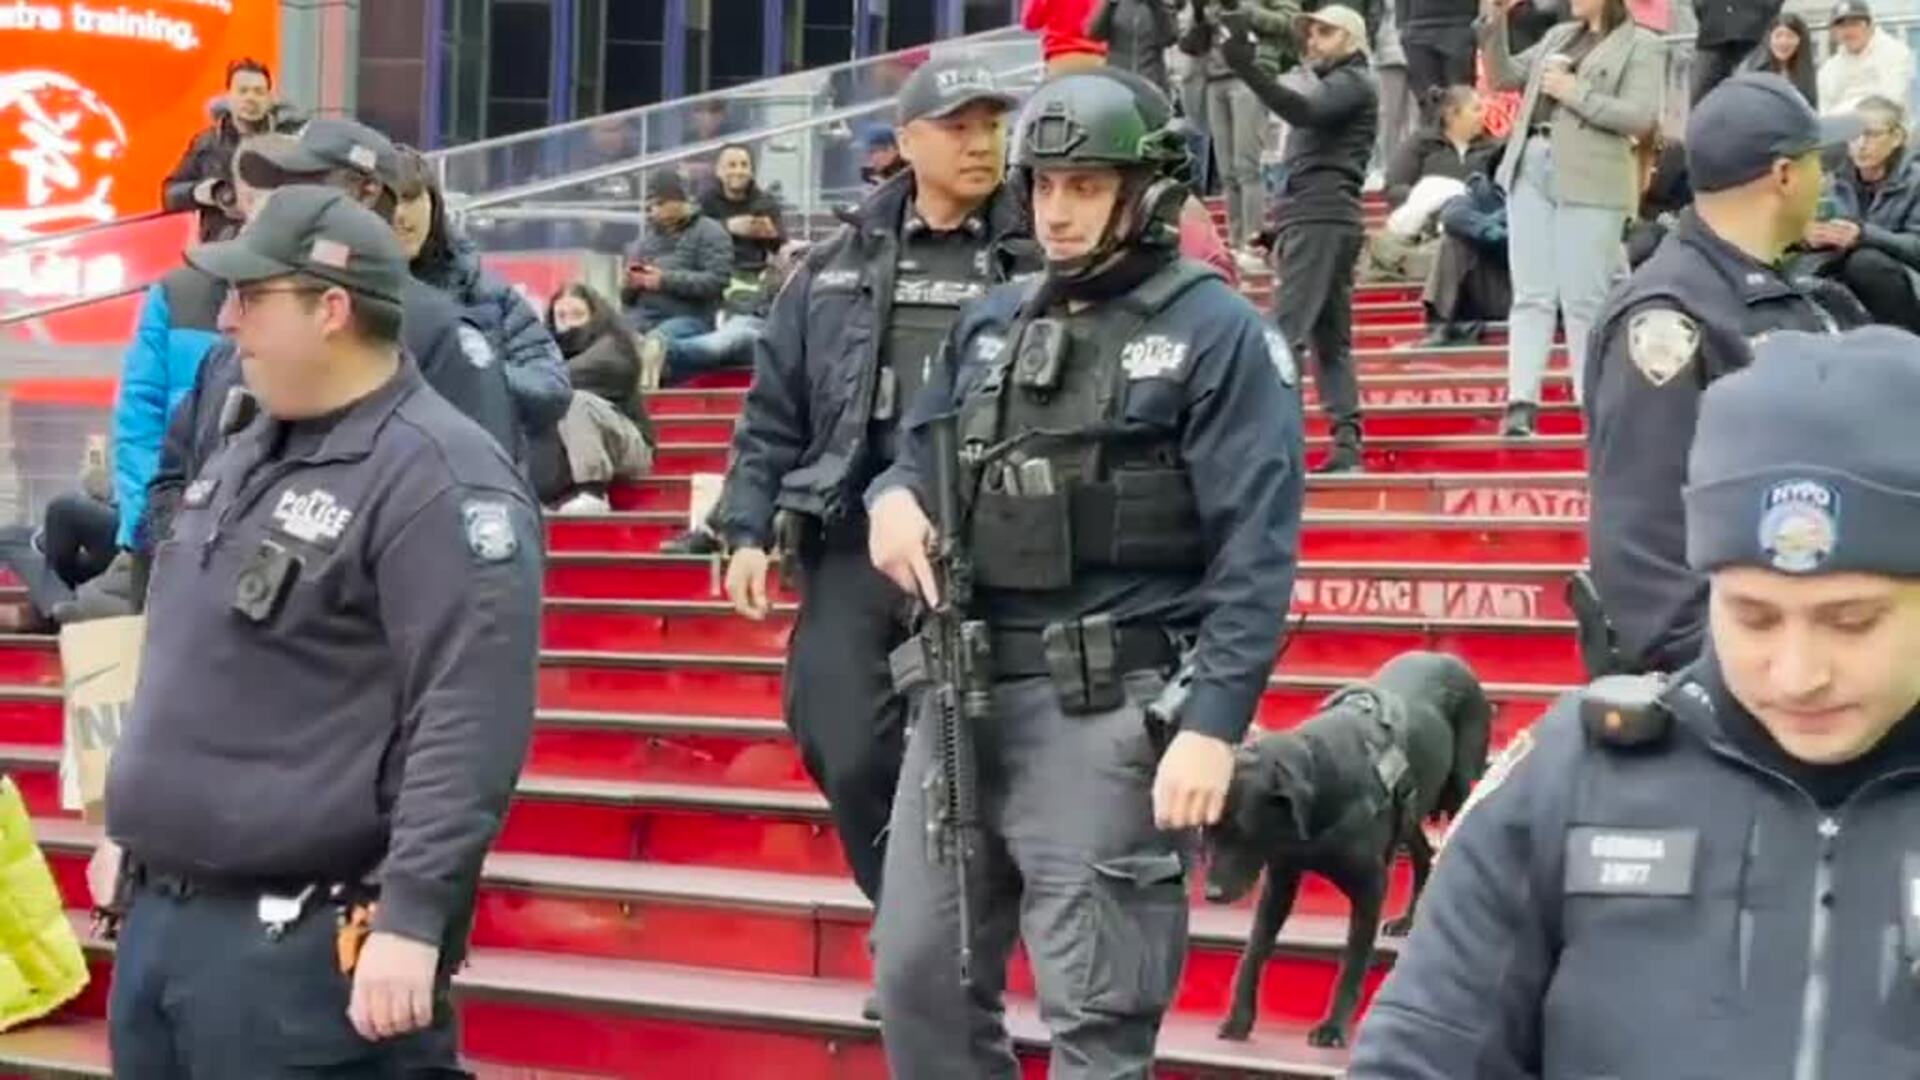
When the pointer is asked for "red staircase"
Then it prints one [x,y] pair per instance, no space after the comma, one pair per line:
[668,897]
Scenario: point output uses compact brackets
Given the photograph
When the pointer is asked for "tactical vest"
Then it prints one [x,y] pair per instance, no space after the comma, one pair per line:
[934,276]
[1055,481]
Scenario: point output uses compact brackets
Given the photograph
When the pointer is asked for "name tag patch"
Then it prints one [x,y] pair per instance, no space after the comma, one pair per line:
[837,279]
[314,516]
[1630,862]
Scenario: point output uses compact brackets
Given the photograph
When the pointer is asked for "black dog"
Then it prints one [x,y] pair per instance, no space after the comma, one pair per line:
[1338,795]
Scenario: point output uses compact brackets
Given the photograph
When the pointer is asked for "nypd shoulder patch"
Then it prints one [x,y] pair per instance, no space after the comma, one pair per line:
[478,350]
[1498,770]
[489,528]
[1662,342]
[1282,356]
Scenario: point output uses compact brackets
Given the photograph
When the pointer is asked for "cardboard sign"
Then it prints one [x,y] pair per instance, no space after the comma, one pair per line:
[101,661]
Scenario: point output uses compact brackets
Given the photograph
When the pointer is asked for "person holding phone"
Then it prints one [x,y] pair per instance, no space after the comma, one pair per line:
[679,269]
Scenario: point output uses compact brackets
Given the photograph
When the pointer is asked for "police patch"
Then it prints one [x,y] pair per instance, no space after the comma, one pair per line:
[988,347]
[1662,342]
[1155,356]
[489,529]
[313,516]
[1799,525]
[1282,355]
[478,350]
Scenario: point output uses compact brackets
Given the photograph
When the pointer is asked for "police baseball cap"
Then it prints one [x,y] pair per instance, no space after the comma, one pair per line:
[336,143]
[945,85]
[1800,462]
[1847,10]
[309,229]
[1749,122]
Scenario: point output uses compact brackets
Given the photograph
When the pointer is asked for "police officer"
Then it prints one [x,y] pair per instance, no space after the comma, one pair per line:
[452,354]
[338,694]
[1130,446]
[1713,875]
[846,347]
[1686,317]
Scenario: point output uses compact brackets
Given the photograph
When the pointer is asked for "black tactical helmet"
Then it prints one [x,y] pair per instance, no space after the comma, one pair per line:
[1113,119]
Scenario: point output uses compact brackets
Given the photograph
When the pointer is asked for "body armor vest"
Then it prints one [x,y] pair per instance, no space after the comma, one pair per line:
[1054,479]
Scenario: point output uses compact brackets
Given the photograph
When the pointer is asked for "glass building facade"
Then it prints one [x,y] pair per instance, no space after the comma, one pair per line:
[439,72]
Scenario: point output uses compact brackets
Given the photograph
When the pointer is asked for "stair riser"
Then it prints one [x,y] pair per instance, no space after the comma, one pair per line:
[1497,657]
[1326,540]
[680,430]
[1565,500]
[1486,388]
[1295,985]
[1493,596]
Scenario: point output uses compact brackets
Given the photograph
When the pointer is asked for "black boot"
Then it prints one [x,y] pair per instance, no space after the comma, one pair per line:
[1345,456]
[1519,421]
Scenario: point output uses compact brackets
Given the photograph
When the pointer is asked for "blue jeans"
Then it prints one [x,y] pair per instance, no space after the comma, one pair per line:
[731,346]
[1564,258]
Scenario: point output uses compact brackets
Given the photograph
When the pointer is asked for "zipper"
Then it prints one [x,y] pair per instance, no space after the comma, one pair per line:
[1815,995]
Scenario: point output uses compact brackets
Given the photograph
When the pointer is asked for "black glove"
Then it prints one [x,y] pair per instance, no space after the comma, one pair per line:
[1237,45]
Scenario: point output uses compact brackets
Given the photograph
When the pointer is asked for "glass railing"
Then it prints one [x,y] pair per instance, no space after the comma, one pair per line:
[509,163]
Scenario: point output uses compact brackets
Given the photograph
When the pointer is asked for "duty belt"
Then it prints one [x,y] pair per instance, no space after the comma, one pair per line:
[1087,659]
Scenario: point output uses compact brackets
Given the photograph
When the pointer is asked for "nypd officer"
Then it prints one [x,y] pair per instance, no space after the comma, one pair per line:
[1130,451]
[1713,874]
[338,694]
[845,349]
[1688,316]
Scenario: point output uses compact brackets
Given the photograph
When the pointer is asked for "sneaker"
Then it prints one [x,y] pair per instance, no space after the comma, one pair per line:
[1249,261]
[1518,423]
[582,503]
[692,542]
[653,360]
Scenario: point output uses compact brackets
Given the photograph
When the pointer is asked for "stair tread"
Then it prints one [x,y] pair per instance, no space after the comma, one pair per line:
[1402,567]
[1490,439]
[1345,519]
[817,894]
[1490,478]
[1343,623]
[1392,408]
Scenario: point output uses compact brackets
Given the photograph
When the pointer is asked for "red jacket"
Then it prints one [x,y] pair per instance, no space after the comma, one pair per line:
[1062,26]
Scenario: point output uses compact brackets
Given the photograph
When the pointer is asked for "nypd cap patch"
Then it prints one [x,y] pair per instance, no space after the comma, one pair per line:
[1799,525]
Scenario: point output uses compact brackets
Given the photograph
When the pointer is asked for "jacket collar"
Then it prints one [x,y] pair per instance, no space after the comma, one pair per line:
[884,212]
[1752,279]
[360,424]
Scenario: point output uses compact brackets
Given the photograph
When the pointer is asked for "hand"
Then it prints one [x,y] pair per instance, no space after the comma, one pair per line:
[393,987]
[643,277]
[1236,41]
[766,228]
[1559,84]
[741,224]
[1190,790]
[898,541]
[1839,235]
[747,582]
[103,873]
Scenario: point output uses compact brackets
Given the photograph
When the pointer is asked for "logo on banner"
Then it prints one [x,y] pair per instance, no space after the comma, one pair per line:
[59,142]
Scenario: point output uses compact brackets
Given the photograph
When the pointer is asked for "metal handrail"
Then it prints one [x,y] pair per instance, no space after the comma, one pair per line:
[661,107]
[46,239]
[14,318]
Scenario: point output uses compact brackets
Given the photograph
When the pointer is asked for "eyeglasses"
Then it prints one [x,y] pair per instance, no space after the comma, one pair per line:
[1876,133]
[245,299]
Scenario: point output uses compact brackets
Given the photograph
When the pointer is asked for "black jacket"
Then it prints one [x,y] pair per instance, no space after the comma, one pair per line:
[1734,22]
[1679,910]
[1889,218]
[750,253]
[387,696]
[210,157]
[1429,153]
[802,440]
[1137,33]
[1331,138]
[1642,402]
[1426,15]
[695,261]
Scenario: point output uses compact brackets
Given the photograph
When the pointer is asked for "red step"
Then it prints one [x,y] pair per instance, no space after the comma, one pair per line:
[596,1017]
[1331,535]
[1452,453]
[1382,420]
[1473,494]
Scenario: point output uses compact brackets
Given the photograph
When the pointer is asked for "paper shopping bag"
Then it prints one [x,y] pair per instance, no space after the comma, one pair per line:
[100,660]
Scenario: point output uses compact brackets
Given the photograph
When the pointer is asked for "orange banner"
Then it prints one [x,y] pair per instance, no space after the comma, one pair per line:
[99,98]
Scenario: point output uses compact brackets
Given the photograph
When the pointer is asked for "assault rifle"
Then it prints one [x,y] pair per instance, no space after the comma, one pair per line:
[951,657]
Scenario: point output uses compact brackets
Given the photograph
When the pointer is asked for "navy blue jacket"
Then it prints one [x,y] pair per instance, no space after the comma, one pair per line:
[1233,407]
[536,372]
[374,722]
[1640,419]
[1676,913]
[1889,219]
[801,443]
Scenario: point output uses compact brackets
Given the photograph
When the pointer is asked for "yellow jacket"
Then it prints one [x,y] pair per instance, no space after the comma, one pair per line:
[41,967]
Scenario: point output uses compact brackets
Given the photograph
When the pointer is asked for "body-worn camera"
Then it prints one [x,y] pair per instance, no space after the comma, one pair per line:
[263,583]
[1040,355]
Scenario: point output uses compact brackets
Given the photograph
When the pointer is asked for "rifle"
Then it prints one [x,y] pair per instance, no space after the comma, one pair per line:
[951,657]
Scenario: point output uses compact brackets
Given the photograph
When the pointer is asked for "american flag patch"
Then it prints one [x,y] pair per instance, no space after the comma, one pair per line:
[363,157]
[330,253]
